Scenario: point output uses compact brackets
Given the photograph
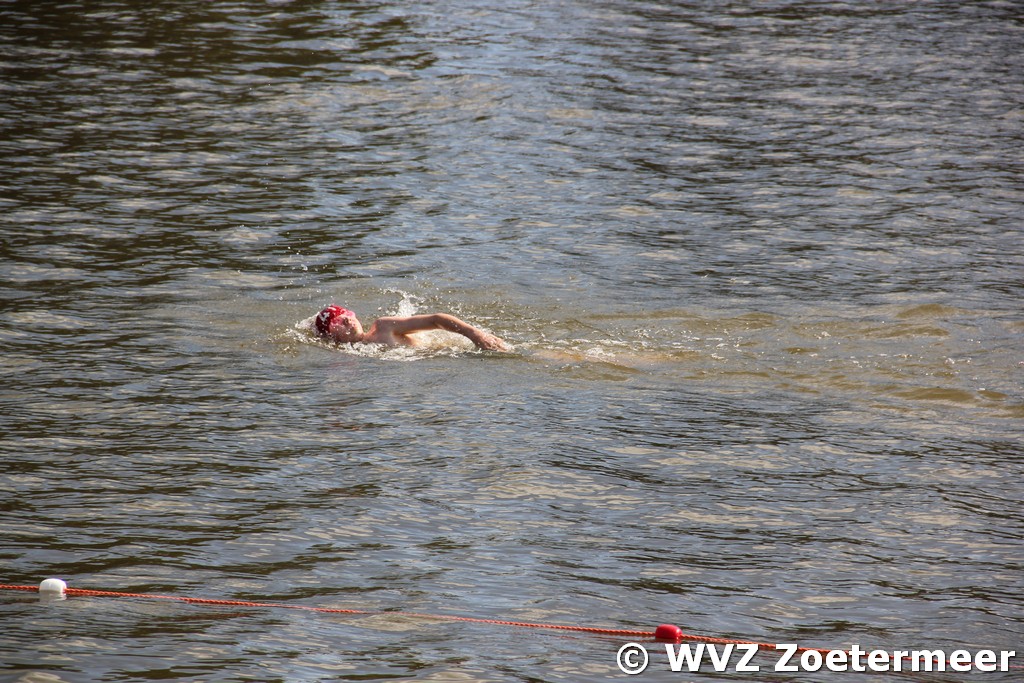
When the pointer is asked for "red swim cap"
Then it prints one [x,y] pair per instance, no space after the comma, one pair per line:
[327,316]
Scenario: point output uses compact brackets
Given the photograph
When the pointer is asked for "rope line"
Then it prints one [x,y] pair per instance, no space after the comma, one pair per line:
[332,610]
[665,632]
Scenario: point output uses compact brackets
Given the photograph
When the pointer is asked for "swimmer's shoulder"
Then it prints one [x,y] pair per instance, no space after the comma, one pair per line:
[388,331]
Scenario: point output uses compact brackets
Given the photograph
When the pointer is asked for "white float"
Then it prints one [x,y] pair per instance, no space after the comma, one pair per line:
[52,588]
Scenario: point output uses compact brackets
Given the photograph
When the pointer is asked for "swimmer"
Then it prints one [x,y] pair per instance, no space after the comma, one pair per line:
[341,325]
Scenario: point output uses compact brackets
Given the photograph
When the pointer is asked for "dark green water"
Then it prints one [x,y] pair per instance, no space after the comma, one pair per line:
[762,265]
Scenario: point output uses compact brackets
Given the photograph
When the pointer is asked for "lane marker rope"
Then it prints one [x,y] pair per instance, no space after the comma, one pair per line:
[83,592]
[663,633]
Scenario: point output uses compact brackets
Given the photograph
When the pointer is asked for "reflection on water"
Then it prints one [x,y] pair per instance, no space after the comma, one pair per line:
[761,266]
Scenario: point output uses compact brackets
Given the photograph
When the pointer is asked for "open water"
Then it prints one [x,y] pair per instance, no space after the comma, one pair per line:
[762,264]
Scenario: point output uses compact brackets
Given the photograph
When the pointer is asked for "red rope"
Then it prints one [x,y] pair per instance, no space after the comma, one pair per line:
[627,633]
[331,610]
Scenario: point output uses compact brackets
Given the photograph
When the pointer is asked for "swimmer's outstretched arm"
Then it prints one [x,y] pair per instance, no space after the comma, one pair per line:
[441,321]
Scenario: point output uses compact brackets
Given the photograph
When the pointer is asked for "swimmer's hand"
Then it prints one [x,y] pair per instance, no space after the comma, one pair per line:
[488,342]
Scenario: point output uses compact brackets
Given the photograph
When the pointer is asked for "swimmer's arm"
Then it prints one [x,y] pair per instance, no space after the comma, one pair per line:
[443,321]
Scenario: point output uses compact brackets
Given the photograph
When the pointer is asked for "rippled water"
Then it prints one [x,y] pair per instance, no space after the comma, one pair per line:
[762,265]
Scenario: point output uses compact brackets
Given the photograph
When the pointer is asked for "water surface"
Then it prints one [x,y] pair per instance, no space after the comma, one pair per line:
[762,268]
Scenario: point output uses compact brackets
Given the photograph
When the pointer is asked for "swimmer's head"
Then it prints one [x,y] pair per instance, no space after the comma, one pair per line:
[338,324]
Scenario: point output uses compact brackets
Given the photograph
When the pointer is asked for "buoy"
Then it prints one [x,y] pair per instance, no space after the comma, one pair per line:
[53,587]
[669,632]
